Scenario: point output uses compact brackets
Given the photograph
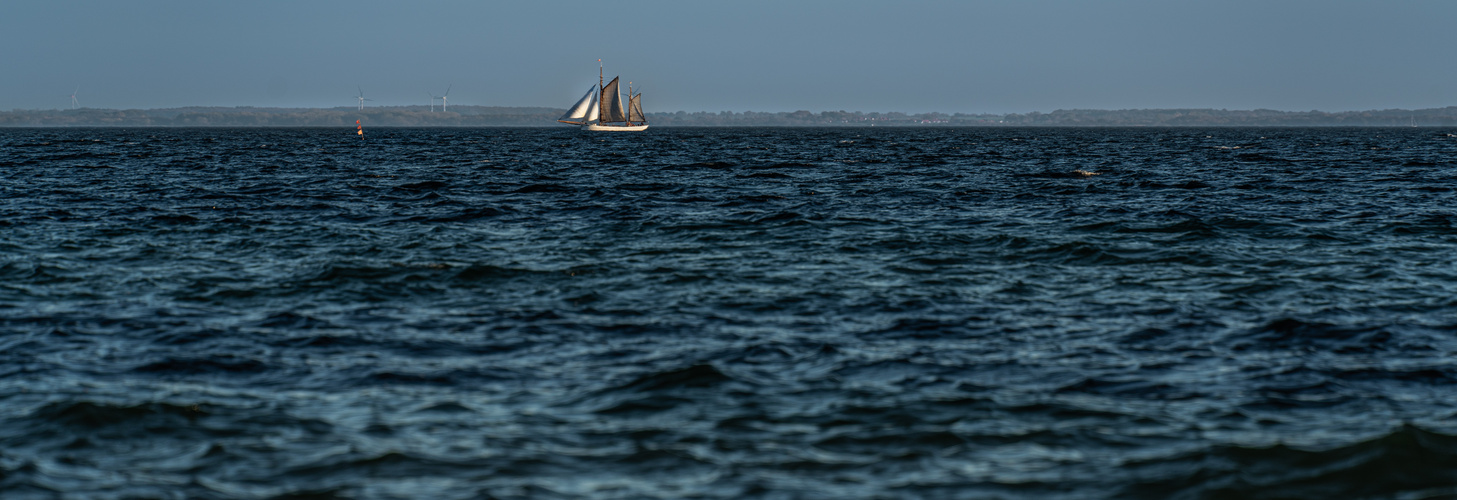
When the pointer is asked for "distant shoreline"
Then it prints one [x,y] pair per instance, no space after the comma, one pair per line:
[492,116]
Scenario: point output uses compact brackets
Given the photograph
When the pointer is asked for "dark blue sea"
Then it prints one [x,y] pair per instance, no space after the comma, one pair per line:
[916,313]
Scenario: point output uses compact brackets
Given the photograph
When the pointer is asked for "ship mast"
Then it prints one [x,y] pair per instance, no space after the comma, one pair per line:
[601,106]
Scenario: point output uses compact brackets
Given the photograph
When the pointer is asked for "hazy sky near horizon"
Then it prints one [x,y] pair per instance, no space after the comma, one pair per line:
[912,56]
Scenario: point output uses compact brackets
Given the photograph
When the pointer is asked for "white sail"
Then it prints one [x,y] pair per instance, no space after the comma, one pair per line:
[579,110]
[593,110]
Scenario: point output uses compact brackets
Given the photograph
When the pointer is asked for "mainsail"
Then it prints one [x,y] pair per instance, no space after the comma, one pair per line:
[612,103]
[578,114]
[634,109]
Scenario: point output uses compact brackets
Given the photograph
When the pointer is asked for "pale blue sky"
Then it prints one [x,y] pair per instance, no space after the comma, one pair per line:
[966,56]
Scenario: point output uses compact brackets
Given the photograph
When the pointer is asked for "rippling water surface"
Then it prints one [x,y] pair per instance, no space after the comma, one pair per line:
[728,313]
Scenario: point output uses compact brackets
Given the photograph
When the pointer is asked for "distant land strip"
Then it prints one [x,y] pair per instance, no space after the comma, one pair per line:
[493,116]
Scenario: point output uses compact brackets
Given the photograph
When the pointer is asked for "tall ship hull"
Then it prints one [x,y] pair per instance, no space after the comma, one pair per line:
[614,128]
[602,109]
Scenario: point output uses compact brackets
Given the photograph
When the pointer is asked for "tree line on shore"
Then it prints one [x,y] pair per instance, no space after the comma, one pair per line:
[493,116]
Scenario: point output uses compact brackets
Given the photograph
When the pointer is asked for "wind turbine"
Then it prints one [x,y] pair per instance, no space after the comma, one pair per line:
[445,99]
[361,98]
[432,101]
[74,103]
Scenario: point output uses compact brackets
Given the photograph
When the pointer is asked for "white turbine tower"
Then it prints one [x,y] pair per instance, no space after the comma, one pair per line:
[361,98]
[74,102]
[432,101]
[445,99]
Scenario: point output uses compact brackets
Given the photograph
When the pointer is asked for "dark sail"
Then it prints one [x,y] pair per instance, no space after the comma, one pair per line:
[634,110]
[611,104]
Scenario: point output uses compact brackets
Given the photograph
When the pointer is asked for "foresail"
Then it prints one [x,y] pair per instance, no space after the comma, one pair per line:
[612,103]
[634,110]
[592,107]
[578,111]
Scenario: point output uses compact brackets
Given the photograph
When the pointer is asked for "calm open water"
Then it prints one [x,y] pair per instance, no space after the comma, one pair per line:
[728,313]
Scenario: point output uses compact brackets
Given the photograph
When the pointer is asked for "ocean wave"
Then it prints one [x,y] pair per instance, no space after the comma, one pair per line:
[1407,462]
[735,313]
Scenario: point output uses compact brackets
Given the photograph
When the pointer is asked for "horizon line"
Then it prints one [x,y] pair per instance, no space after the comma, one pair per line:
[367,108]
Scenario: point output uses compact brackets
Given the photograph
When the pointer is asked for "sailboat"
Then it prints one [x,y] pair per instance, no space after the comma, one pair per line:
[602,109]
